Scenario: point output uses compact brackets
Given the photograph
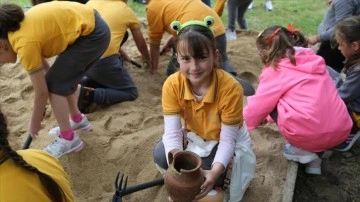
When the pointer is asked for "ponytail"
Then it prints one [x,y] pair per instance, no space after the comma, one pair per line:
[10,17]
[278,42]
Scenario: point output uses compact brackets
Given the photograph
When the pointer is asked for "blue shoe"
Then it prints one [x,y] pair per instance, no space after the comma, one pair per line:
[349,142]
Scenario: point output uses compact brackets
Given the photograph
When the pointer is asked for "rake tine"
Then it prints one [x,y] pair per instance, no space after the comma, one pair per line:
[125,184]
[116,180]
[120,183]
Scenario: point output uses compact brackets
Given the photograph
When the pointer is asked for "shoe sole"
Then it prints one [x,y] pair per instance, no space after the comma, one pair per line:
[75,149]
[86,128]
[356,137]
[313,171]
[301,159]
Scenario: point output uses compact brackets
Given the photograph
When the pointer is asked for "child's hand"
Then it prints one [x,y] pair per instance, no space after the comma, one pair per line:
[312,40]
[164,50]
[34,129]
[264,122]
[210,179]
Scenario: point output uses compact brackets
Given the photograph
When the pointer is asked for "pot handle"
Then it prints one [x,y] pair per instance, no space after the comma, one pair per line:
[170,157]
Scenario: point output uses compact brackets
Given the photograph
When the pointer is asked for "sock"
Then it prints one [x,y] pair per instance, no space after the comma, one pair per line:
[67,134]
[76,118]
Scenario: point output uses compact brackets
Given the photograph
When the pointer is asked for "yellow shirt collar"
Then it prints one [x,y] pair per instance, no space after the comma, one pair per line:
[210,95]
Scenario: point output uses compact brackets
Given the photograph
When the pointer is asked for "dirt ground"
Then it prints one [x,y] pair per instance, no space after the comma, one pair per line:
[339,182]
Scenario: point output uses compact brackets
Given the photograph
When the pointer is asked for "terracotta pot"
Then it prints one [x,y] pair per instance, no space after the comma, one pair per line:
[213,196]
[183,177]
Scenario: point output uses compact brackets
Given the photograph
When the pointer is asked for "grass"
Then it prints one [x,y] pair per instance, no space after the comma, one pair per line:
[19,2]
[304,14]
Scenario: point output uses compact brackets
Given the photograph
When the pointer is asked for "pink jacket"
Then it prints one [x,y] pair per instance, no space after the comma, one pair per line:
[311,114]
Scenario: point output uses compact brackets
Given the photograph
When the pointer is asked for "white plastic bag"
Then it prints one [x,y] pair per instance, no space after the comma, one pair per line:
[243,167]
[199,146]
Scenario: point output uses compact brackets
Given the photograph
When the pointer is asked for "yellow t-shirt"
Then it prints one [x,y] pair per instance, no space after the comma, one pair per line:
[160,14]
[20,185]
[223,103]
[48,29]
[119,17]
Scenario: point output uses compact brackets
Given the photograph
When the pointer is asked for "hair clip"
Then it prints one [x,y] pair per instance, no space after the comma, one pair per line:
[271,37]
[208,22]
[291,29]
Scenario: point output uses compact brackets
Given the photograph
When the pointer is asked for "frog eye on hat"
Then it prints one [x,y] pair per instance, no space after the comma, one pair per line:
[208,22]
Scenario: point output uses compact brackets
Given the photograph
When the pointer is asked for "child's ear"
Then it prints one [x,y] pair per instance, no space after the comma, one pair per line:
[355,45]
[216,54]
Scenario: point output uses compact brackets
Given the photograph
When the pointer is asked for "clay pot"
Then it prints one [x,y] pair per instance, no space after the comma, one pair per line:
[183,177]
[213,196]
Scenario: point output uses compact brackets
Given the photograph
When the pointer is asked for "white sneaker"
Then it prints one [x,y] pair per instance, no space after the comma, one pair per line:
[299,155]
[268,6]
[314,167]
[230,35]
[82,125]
[61,146]
[251,5]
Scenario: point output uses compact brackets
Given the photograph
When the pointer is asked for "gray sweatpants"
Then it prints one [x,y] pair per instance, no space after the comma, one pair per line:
[70,66]
[236,12]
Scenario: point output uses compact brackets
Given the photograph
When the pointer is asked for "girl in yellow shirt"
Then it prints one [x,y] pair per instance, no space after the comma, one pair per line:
[73,32]
[30,175]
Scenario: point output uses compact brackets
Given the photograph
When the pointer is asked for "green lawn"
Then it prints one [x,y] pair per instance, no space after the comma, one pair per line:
[20,2]
[305,14]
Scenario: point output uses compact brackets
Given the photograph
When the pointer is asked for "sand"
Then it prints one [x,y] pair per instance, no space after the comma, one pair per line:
[124,134]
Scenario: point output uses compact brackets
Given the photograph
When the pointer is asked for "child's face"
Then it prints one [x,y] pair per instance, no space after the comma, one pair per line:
[346,49]
[197,70]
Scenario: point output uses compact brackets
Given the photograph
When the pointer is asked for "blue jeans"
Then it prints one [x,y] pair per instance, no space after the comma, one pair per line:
[236,11]
[111,80]
[224,60]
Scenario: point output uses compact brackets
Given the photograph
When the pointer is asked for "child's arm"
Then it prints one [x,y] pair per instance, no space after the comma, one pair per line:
[210,178]
[349,90]
[224,153]
[45,64]
[173,136]
[167,46]
[267,96]
[41,96]
[226,148]
[154,54]
[141,44]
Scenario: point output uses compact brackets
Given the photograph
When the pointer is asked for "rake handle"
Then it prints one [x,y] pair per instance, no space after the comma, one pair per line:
[139,187]
[27,142]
